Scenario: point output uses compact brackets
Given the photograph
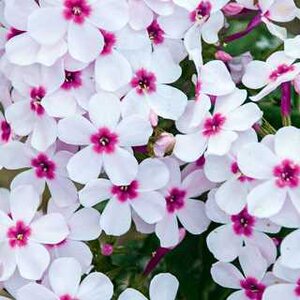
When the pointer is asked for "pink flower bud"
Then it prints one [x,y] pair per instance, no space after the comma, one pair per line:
[223,56]
[107,249]
[164,144]
[153,118]
[296,83]
[232,9]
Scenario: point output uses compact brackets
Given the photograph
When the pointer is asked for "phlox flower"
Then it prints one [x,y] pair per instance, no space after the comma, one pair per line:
[84,225]
[64,284]
[24,234]
[277,69]
[140,195]
[252,283]
[48,167]
[180,194]
[239,230]
[107,139]
[215,132]
[78,21]
[277,168]
[149,89]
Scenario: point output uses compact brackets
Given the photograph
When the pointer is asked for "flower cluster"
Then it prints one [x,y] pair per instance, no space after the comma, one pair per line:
[105,140]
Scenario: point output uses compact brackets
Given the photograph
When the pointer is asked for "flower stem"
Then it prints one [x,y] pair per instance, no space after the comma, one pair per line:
[286,103]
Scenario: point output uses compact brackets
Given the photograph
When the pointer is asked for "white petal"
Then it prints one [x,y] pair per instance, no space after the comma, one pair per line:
[212,26]
[116,217]
[75,130]
[95,286]
[280,291]
[112,71]
[193,217]
[24,202]
[68,269]
[289,249]
[182,148]
[168,102]
[152,175]
[256,74]
[84,225]
[33,290]
[287,141]
[226,275]
[218,168]
[257,161]
[167,231]
[49,229]
[47,26]
[266,200]
[212,72]
[95,191]
[85,165]
[105,110]
[163,286]
[85,42]
[130,294]
[120,166]
[134,131]
[221,236]
[32,261]
[44,133]
[15,155]
[150,206]
[117,17]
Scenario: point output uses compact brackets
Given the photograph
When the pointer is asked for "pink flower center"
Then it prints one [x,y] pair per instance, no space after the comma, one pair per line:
[201,12]
[67,297]
[72,80]
[175,199]
[36,95]
[156,34]
[253,288]
[109,42]
[297,289]
[213,125]
[235,170]
[281,70]
[44,167]
[144,82]
[104,141]
[287,174]
[5,131]
[126,192]
[243,223]
[76,10]
[18,235]
[12,32]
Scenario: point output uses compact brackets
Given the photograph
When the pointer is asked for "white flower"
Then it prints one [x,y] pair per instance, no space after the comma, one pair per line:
[180,194]
[277,168]
[277,69]
[141,195]
[108,140]
[44,167]
[79,21]
[64,284]
[153,71]
[23,234]
[238,230]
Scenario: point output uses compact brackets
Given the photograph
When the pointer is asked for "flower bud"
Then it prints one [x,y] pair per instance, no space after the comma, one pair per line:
[164,144]
[107,249]
[223,56]
[232,9]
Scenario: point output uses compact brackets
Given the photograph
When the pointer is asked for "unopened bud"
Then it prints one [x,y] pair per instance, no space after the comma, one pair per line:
[107,249]
[232,9]
[223,56]
[164,144]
